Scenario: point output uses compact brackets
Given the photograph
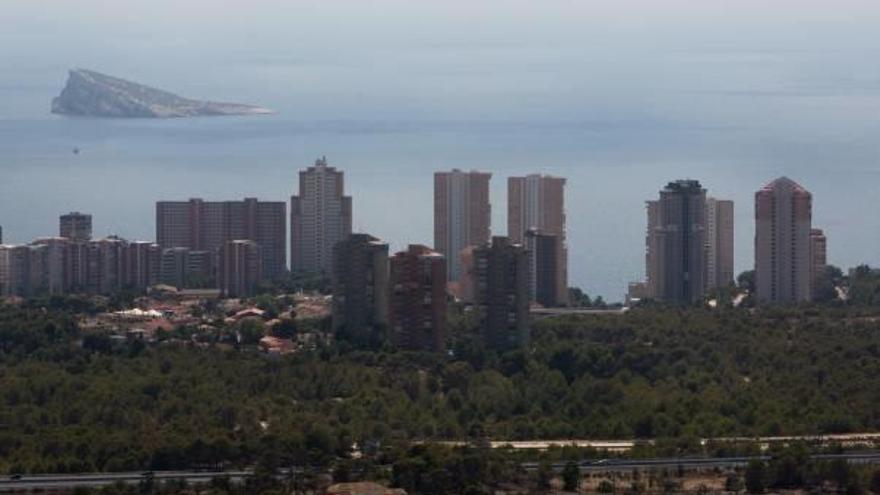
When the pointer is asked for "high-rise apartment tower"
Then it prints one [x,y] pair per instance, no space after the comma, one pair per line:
[499,274]
[320,217]
[818,260]
[537,202]
[783,264]
[462,215]
[207,225]
[360,288]
[719,243]
[75,226]
[418,299]
[677,243]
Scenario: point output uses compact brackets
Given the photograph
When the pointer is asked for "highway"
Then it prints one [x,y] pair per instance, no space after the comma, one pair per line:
[626,465]
[96,480]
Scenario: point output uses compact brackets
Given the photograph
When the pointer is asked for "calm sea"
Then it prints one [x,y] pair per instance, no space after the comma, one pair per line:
[617,127]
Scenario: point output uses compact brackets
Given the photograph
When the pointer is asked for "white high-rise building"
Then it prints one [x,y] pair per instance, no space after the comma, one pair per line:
[462,215]
[48,264]
[320,217]
[15,270]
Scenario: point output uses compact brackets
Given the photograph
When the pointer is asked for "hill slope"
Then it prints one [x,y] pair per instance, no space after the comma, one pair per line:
[93,94]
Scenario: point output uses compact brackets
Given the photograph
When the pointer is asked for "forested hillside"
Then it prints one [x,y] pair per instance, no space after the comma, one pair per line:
[74,402]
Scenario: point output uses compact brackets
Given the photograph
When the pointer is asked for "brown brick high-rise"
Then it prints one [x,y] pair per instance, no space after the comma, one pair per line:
[498,274]
[418,299]
[360,288]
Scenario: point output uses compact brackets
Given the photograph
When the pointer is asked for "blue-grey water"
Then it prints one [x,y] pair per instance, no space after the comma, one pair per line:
[619,107]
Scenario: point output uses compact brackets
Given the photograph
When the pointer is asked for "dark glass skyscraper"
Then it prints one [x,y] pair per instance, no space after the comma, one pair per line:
[677,243]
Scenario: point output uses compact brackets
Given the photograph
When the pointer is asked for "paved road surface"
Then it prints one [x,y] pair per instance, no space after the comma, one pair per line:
[625,465]
[70,481]
[95,480]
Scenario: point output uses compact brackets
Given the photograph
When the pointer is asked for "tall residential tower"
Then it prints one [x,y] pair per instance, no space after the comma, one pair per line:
[320,217]
[462,214]
[360,288]
[497,274]
[537,203]
[719,243]
[783,263]
[418,299]
[240,267]
[75,226]
[677,243]
[818,261]
[543,252]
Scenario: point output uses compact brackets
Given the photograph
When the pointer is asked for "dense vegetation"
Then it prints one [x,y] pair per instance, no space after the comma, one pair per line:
[72,402]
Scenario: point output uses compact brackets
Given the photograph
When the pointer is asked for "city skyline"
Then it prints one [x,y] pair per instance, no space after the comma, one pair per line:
[683,101]
[514,183]
[439,247]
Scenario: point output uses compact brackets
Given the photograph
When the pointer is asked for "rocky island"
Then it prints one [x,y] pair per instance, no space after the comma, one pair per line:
[92,94]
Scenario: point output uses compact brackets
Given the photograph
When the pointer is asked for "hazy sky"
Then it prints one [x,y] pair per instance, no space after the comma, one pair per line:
[552,59]
[615,95]
[561,47]
[477,60]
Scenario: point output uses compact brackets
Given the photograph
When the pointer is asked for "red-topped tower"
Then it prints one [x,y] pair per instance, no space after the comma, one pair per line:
[783,219]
